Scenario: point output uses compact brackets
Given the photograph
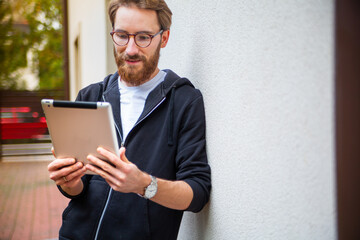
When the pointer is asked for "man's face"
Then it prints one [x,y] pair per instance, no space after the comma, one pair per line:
[137,65]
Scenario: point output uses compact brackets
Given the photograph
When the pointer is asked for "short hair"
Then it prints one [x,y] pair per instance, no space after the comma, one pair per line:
[162,10]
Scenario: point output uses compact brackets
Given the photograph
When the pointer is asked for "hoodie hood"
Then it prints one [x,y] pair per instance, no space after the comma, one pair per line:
[172,80]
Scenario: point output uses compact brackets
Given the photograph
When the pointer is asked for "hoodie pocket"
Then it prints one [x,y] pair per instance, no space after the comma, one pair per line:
[127,216]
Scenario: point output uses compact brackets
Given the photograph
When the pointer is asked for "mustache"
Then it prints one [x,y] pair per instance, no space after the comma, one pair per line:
[136,57]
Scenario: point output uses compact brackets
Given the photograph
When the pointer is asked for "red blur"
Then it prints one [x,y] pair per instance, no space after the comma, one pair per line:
[22,123]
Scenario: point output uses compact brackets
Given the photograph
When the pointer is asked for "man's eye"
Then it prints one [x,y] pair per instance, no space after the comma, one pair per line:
[142,37]
[122,35]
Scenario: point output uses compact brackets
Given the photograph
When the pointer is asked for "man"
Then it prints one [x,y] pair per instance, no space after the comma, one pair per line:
[162,169]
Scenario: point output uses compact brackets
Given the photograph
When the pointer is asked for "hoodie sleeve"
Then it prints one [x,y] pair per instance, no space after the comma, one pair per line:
[85,179]
[193,167]
[91,93]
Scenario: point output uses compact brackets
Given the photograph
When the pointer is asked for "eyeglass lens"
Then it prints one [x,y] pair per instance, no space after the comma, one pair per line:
[141,39]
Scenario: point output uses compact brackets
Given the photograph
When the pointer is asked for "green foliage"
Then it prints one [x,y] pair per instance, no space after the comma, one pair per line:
[12,49]
[31,36]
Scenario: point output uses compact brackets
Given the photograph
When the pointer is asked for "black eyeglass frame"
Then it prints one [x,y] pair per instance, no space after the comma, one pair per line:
[134,36]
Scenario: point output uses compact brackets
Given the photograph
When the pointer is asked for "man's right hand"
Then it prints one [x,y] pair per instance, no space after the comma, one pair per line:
[67,173]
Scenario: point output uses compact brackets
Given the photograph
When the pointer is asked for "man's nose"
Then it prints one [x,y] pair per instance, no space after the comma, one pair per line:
[131,47]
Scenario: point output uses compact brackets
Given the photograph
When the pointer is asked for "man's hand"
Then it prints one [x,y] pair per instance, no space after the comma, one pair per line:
[67,173]
[122,175]
[125,177]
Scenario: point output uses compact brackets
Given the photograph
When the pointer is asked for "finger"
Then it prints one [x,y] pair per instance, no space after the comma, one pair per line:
[75,174]
[72,177]
[115,183]
[111,157]
[103,173]
[122,155]
[53,151]
[63,181]
[60,163]
[103,165]
[65,171]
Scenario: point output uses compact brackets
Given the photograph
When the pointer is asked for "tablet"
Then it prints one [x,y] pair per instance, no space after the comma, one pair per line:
[78,128]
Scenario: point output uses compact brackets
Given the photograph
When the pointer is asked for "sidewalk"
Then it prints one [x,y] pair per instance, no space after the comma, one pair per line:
[30,204]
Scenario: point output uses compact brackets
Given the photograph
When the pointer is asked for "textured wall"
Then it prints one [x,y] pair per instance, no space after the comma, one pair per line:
[265,69]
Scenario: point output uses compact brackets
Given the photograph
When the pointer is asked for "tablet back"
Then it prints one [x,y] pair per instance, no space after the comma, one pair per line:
[78,128]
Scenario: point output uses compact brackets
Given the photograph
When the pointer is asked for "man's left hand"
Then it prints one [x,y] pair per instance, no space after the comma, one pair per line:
[122,175]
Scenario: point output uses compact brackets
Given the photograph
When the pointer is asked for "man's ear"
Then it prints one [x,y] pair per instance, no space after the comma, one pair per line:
[165,38]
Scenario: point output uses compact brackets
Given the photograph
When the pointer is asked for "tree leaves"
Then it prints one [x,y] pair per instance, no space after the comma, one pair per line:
[31,37]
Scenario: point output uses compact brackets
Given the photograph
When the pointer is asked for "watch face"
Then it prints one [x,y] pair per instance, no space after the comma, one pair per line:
[151,190]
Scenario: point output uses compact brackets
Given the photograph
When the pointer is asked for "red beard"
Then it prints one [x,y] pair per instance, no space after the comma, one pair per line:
[130,74]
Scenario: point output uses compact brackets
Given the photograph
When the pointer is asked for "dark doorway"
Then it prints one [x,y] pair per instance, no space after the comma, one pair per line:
[348,118]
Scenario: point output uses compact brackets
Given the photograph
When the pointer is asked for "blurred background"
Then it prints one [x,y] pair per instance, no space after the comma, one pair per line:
[280,81]
[31,68]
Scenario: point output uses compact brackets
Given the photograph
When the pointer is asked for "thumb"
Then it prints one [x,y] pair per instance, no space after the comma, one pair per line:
[53,151]
[122,155]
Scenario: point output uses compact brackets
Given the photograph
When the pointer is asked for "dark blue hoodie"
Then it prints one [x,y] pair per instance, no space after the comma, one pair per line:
[168,141]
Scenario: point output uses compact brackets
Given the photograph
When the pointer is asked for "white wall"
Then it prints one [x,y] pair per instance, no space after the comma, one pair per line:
[265,69]
[87,20]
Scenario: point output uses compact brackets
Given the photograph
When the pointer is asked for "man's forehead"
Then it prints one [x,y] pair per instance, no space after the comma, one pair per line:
[135,19]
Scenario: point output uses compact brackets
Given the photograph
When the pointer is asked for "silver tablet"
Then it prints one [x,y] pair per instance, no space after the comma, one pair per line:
[77,129]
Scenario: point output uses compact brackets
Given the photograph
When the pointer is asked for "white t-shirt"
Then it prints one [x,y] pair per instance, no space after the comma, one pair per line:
[132,101]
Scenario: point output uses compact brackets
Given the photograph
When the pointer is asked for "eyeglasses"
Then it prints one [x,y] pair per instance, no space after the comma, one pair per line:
[142,40]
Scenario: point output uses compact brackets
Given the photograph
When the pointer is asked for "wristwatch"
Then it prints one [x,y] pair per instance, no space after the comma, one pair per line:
[151,190]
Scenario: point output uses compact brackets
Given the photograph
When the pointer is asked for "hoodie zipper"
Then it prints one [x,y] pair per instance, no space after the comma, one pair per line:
[111,190]
[122,144]
[103,213]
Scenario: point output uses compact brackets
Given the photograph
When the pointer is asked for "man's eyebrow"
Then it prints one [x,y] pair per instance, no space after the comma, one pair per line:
[146,32]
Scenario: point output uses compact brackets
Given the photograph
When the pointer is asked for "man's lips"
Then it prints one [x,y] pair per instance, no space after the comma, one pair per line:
[132,61]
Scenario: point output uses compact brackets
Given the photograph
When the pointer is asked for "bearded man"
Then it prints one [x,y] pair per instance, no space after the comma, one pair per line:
[162,169]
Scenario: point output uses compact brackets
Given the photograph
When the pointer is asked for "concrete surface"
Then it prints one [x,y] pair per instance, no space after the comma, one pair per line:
[30,204]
